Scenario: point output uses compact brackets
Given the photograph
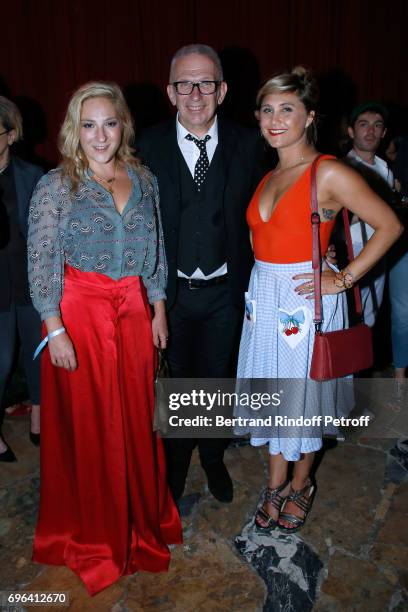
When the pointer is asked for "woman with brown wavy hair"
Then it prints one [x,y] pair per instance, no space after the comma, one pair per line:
[97,270]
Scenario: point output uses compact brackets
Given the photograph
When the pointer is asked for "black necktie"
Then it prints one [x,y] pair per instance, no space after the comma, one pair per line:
[202,165]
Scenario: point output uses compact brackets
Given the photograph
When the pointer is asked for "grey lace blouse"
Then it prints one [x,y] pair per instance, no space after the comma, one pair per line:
[84,230]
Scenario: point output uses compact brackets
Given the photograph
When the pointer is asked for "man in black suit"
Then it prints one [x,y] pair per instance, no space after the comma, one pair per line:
[207,170]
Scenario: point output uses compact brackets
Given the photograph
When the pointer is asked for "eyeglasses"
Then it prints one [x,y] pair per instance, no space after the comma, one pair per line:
[206,88]
[5,132]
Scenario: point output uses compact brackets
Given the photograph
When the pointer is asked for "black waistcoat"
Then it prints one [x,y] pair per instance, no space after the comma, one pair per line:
[202,236]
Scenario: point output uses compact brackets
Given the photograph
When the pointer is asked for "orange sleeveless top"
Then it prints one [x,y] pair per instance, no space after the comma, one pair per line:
[287,236]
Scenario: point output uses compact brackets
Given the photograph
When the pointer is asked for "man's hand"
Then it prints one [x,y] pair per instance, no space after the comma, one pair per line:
[330,257]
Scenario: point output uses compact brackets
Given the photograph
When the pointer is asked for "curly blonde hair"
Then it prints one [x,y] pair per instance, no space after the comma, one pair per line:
[74,161]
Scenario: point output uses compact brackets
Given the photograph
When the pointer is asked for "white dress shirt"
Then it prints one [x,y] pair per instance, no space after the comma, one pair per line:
[189,149]
[191,153]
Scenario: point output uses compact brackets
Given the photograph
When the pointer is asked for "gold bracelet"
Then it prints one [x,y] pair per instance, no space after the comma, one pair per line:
[343,280]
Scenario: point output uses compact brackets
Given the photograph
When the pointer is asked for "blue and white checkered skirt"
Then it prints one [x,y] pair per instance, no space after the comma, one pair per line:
[277,343]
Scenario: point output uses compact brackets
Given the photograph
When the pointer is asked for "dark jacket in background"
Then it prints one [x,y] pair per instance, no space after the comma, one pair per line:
[26,176]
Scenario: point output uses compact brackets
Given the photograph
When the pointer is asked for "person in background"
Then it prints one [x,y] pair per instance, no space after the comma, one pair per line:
[397,154]
[97,269]
[17,314]
[367,128]
[398,291]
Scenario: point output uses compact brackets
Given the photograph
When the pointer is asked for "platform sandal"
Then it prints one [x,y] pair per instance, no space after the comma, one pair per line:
[303,502]
[274,497]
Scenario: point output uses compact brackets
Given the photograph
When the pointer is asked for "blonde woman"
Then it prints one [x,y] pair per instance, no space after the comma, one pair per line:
[97,269]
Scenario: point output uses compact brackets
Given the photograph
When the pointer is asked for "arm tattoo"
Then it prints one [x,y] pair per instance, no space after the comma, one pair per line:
[328,214]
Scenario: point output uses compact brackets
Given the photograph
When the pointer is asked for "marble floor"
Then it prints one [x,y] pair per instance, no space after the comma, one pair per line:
[352,555]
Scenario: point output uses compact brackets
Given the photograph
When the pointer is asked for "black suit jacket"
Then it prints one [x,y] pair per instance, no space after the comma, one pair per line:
[244,166]
[26,176]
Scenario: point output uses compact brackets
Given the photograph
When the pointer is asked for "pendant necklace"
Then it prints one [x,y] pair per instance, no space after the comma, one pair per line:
[301,161]
[108,182]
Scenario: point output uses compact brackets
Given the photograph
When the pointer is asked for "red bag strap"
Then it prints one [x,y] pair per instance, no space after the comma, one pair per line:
[316,258]
[316,255]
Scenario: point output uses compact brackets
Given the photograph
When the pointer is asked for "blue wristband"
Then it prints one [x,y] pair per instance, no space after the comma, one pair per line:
[42,344]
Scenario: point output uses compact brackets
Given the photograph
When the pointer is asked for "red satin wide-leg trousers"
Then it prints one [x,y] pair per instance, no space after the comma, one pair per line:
[105,507]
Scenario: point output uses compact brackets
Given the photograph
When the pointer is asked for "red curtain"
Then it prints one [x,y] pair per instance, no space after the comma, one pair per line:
[49,47]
